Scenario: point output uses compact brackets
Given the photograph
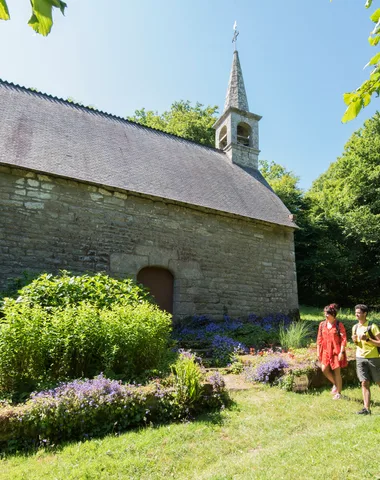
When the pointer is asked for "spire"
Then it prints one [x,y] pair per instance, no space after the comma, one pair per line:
[236,96]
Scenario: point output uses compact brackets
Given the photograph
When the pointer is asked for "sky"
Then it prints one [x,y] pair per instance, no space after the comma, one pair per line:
[298,57]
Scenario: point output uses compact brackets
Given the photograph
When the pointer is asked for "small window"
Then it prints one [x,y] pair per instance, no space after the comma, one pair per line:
[244,134]
[223,138]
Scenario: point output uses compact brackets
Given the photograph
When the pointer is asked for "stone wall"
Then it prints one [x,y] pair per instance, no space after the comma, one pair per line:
[218,262]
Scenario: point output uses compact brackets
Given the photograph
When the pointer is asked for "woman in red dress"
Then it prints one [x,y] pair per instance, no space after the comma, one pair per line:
[331,348]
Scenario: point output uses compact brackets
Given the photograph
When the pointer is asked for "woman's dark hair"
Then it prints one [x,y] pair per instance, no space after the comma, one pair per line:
[332,309]
[362,307]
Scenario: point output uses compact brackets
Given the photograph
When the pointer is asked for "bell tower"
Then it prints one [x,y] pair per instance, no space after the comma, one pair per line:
[237,130]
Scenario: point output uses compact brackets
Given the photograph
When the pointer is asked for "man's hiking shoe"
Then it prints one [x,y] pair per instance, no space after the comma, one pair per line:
[364,411]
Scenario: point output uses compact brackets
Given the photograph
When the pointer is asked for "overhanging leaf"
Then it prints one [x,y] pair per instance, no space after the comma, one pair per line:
[366,99]
[349,97]
[4,12]
[42,18]
[374,60]
[373,41]
[59,4]
[375,16]
[352,110]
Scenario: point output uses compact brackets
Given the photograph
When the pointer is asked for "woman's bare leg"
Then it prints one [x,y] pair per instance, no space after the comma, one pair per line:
[338,379]
[326,370]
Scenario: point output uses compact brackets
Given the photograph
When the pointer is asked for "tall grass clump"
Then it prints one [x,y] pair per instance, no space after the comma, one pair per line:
[296,335]
[187,378]
[67,331]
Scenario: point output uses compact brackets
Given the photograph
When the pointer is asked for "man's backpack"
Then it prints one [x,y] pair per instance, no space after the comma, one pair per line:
[369,331]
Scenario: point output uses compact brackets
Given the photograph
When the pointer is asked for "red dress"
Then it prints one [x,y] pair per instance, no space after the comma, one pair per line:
[330,341]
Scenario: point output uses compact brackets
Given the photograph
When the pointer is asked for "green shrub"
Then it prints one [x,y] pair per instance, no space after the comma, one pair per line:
[66,289]
[255,336]
[297,335]
[84,409]
[187,378]
[40,347]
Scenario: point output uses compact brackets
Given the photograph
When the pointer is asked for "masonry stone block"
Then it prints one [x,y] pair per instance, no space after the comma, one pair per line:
[216,260]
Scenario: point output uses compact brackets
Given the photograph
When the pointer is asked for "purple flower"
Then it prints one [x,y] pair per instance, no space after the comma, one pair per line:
[269,371]
[224,348]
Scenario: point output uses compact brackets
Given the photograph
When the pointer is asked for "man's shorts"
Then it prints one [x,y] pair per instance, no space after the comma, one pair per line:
[368,369]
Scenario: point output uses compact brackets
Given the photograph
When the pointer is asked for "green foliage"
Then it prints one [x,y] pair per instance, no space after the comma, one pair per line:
[73,326]
[348,193]
[268,434]
[100,290]
[253,335]
[84,409]
[187,379]
[236,367]
[284,183]
[194,123]
[361,97]
[297,335]
[42,14]
[343,260]
[75,102]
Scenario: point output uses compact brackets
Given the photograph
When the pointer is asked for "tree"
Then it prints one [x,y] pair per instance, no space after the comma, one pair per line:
[42,14]
[284,183]
[344,261]
[361,97]
[349,191]
[193,123]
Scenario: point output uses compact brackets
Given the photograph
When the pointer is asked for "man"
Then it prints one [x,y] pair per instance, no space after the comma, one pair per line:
[367,355]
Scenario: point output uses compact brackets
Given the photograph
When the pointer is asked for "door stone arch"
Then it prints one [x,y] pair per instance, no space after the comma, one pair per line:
[160,282]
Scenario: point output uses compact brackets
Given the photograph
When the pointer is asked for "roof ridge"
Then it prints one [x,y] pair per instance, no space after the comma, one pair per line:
[96,111]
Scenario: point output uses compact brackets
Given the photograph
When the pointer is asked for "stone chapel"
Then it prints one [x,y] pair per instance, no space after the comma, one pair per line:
[86,191]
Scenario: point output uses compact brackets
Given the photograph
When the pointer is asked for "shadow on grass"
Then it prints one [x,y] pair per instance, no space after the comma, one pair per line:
[345,394]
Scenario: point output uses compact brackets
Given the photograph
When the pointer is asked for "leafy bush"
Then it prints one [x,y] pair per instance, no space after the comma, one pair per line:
[267,372]
[40,347]
[218,397]
[84,409]
[224,348]
[254,336]
[296,335]
[66,289]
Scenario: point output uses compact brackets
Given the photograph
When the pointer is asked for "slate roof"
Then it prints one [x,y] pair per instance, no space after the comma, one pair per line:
[50,135]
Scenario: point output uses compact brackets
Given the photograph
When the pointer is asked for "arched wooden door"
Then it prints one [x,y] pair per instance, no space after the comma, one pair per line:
[160,283]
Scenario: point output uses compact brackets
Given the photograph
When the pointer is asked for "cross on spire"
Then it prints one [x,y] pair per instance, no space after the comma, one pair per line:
[236,33]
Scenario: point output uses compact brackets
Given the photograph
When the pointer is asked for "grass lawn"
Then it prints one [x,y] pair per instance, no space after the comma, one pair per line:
[267,434]
[345,314]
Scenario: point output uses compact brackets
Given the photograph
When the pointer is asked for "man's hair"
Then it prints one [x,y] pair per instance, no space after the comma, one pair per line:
[362,307]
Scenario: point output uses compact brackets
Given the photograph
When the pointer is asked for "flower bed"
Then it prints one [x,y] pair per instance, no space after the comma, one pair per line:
[83,409]
[219,340]
[295,370]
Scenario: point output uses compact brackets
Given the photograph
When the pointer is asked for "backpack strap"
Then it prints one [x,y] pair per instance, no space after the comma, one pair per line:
[371,334]
[337,326]
[369,331]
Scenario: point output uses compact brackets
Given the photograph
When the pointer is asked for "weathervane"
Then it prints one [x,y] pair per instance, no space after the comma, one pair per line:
[236,33]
